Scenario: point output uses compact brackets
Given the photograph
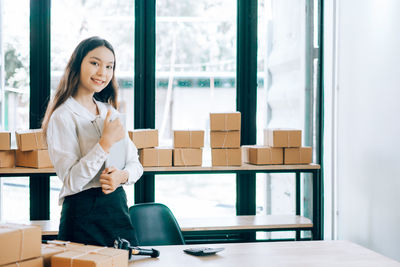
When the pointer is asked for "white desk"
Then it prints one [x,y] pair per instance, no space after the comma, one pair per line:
[273,254]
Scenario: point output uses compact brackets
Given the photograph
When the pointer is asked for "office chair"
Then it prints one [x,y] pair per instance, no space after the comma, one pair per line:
[155,225]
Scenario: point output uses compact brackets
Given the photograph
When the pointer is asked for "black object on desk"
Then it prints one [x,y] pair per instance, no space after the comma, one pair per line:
[202,251]
[125,244]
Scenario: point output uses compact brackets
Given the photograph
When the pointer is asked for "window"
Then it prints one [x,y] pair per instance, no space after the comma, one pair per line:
[195,75]
[71,22]
[14,86]
[285,94]
[14,98]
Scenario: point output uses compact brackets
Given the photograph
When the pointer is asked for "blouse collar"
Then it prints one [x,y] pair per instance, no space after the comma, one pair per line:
[80,110]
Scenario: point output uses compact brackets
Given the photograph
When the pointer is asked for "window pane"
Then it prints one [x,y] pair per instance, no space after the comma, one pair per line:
[14,98]
[199,195]
[281,94]
[275,193]
[14,86]
[111,20]
[195,75]
[14,198]
[74,20]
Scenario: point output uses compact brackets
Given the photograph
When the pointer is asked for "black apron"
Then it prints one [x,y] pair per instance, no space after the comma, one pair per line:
[94,218]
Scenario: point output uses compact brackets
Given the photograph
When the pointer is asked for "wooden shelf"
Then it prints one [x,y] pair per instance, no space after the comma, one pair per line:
[244,167]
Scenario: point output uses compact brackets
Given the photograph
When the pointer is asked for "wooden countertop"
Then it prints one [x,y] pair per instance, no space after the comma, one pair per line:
[271,254]
[244,167]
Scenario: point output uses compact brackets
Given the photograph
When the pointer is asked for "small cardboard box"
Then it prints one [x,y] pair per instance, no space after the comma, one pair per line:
[225,121]
[155,157]
[7,159]
[100,256]
[144,138]
[119,257]
[229,139]
[282,138]
[30,140]
[298,155]
[260,155]
[5,140]
[34,159]
[188,156]
[189,139]
[37,262]
[49,250]
[226,157]
[19,242]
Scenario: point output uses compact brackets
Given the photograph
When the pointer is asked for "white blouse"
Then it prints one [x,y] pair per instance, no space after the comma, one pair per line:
[73,136]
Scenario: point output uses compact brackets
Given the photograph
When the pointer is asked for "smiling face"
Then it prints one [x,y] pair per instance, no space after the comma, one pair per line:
[97,70]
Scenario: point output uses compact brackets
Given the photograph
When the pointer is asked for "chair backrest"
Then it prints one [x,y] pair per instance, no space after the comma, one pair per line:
[155,225]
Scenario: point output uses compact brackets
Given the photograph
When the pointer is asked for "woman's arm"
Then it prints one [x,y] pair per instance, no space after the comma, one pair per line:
[75,170]
[111,177]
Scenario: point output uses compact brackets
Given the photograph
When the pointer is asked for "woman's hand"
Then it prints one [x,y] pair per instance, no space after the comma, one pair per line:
[113,131]
[111,178]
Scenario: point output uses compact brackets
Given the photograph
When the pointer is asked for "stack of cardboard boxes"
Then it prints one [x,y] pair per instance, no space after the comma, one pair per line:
[225,139]
[7,155]
[150,155]
[32,149]
[281,146]
[188,148]
[20,245]
[79,255]
[290,141]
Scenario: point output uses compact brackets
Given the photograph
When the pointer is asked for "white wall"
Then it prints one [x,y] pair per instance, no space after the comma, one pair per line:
[368,123]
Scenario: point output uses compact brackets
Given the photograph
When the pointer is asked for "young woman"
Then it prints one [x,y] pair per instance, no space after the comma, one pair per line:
[90,149]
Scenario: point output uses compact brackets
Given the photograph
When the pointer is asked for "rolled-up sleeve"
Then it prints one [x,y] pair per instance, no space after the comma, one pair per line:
[132,164]
[74,170]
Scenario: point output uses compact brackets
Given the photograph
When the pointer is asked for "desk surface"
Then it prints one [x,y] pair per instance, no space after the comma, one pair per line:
[272,254]
[259,222]
[244,167]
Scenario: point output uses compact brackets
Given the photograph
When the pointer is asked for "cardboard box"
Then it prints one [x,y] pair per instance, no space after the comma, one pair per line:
[104,257]
[225,121]
[144,138]
[49,250]
[119,257]
[155,157]
[298,155]
[7,159]
[226,157]
[30,140]
[33,159]
[188,156]
[19,242]
[260,155]
[229,139]
[80,259]
[37,262]
[188,139]
[5,140]
[282,138]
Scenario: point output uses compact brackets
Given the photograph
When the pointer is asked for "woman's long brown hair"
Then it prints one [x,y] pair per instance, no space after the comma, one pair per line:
[70,80]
